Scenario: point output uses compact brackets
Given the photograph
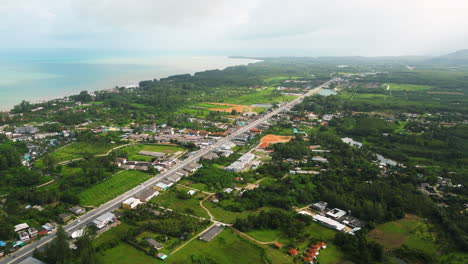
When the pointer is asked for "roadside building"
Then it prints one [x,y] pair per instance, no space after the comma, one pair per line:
[32,232]
[24,236]
[104,219]
[21,227]
[160,186]
[77,210]
[131,203]
[147,194]
[65,217]
[31,260]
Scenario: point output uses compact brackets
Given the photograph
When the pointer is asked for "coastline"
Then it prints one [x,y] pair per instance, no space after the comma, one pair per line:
[146,69]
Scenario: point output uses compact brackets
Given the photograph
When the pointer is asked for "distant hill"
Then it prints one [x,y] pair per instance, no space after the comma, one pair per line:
[456,58]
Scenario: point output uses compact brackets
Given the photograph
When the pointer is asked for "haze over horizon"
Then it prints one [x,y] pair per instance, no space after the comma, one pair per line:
[243,27]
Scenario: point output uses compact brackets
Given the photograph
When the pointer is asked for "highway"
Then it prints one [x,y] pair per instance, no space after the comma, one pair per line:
[115,203]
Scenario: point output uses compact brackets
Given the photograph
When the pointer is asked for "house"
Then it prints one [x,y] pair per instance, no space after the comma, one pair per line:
[191,192]
[147,194]
[322,244]
[153,243]
[319,159]
[31,260]
[104,219]
[293,252]
[131,203]
[278,245]
[210,156]
[192,167]
[20,227]
[49,227]
[160,186]
[211,233]
[175,177]
[336,213]
[77,210]
[23,236]
[77,233]
[319,206]
[65,217]
[161,256]
[228,190]
[32,232]
[43,232]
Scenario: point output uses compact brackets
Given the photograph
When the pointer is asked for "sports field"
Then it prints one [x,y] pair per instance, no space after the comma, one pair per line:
[132,151]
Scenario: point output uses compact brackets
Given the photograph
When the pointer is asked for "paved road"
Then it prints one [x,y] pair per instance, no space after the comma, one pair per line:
[116,202]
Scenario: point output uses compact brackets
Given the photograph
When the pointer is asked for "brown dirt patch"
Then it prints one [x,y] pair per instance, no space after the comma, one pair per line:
[238,108]
[272,139]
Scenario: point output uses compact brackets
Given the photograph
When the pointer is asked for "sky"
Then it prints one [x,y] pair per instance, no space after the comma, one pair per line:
[239,27]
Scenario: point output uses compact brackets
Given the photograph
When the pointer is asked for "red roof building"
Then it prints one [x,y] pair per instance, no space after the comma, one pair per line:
[278,245]
[293,251]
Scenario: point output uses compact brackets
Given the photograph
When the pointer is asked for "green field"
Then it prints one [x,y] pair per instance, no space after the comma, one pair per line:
[112,187]
[133,150]
[125,254]
[406,87]
[265,235]
[411,231]
[226,248]
[169,199]
[258,97]
[78,150]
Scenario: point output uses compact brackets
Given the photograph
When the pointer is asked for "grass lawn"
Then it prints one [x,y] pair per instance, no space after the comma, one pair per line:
[265,235]
[112,187]
[225,216]
[168,199]
[406,87]
[411,231]
[226,248]
[259,97]
[133,150]
[125,254]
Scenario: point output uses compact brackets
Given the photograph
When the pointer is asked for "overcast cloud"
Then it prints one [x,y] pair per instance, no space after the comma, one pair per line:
[240,27]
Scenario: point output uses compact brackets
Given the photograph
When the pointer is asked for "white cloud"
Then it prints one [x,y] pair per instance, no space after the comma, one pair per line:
[263,27]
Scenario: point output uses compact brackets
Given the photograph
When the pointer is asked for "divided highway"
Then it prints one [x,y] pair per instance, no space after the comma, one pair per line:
[115,203]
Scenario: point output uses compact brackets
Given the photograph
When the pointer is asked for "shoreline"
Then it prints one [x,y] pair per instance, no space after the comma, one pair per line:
[169,68]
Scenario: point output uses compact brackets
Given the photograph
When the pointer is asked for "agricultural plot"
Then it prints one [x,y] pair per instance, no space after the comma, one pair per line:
[262,96]
[169,199]
[411,231]
[406,87]
[112,187]
[80,149]
[132,151]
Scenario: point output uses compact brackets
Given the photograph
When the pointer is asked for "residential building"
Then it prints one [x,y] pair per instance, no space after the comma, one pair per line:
[147,194]
[131,203]
[77,210]
[104,219]
[336,213]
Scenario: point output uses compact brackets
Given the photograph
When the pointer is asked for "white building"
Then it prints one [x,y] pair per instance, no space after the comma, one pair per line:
[104,219]
[131,203]
[336,213]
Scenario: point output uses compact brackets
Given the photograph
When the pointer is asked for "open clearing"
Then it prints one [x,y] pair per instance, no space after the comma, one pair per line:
[411,231]
[112,187]
[272,139]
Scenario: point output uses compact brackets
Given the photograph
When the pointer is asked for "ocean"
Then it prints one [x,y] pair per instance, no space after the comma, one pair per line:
[42,75]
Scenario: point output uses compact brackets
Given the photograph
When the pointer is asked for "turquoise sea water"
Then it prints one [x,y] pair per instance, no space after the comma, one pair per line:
[42,75]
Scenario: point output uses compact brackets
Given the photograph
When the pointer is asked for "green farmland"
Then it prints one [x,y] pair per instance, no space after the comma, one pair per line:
[112,187]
